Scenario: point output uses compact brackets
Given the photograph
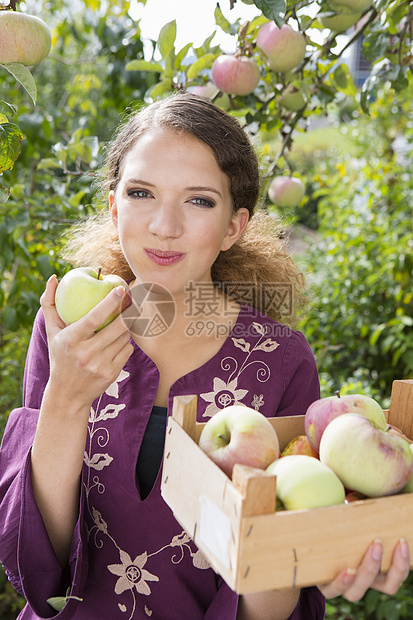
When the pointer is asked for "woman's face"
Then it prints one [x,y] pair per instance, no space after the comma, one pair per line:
[173,210]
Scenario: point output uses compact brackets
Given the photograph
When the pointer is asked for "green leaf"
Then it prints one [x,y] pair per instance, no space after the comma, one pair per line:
[181,55]
[23,75]
[7,109]
[167,38]
[4,193]
[10,145]
[161,87]
[344,81]
[375,46]
[222,21]
[273,9]
[143,65]
[58,602]
[199,65]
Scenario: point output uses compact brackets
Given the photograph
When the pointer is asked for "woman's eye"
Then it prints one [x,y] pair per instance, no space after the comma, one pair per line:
[138,193]
[203,202]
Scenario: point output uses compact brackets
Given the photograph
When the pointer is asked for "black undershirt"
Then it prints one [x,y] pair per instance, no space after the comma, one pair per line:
[151,452]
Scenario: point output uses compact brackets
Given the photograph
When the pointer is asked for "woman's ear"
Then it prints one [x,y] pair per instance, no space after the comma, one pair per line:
[235,228]
[113,208]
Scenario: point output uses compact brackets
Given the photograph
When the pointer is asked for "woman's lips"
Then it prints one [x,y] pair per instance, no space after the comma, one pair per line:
[161,257]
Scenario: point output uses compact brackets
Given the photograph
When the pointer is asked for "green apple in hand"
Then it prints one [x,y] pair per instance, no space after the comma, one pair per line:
[305,482]
[80,290]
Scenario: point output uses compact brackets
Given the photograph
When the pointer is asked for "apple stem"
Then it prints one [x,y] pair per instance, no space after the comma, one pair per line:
[338,394]
[99,272]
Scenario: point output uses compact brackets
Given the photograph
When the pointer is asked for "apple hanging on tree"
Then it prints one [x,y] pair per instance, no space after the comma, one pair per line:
[283,48]
[286,192]
[25,39]
[235,74]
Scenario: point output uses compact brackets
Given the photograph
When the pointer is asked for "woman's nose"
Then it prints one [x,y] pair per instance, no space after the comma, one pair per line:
[166,223]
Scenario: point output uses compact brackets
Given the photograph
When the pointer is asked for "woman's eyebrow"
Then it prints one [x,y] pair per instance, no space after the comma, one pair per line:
[138,182]
[206,188]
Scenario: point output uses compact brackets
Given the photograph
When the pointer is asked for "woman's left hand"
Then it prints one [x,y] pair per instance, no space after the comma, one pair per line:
[352,584]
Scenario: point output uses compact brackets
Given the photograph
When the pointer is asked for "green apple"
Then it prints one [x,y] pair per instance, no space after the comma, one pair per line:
[238,434]
[322,411]
[80,290]
[365,458]
[340,22]
[350,6]
[23,38]
[292,99]
[305,482]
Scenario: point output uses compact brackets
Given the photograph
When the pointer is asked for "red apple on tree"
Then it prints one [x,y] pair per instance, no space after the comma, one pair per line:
[283,48]
[25,39]
[235,75]
[238,434]
[286,192]
[364,457]
[322,411]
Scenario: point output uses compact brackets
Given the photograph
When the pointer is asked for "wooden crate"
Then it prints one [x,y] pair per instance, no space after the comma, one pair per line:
[234,523]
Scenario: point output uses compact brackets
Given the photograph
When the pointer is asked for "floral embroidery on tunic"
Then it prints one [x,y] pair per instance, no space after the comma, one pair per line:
[133,575]
[228,391]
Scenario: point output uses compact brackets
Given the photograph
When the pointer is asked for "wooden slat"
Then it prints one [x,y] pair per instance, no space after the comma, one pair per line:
[310,547]
[257,487]
[401,406]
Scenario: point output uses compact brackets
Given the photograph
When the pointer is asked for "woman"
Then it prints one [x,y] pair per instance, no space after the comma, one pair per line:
[81,461]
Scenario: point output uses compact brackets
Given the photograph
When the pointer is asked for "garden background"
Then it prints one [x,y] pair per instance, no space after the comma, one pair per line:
[352,145]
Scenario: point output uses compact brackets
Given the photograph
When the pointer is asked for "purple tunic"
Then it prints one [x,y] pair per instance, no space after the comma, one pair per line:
[130,559]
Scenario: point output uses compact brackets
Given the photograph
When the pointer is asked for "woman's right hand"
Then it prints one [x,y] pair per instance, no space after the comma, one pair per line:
[84,362]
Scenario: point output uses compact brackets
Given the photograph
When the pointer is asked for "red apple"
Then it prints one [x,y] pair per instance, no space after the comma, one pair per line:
[393,430]
[283,48]
[235,75]
[321,412]
[286,192]
[238,434]
[23,38]
[365,458]
[353,496]
[299,445]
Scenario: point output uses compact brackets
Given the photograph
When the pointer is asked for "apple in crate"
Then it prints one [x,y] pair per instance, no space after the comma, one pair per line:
[320,413]
[305,482]
[238,434]
[299,445]
[365,458]
[80,290]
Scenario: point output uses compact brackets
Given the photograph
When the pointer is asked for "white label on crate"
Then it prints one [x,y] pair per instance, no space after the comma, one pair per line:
[215,530]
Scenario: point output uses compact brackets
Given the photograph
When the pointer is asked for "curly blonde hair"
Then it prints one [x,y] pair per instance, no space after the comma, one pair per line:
[258,258]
